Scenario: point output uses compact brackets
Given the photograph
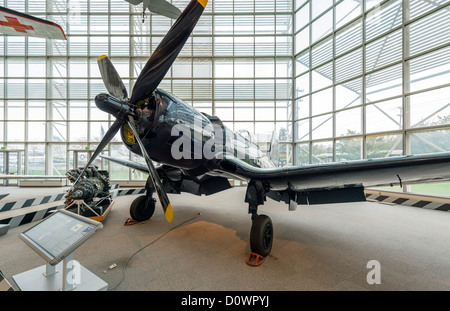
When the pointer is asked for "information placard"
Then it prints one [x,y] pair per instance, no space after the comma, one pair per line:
[58,235]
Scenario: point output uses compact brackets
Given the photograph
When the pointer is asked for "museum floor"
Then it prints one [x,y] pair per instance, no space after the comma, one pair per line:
[325,247]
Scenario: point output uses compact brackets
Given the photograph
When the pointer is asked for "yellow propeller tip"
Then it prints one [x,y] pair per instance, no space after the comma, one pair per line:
[169,213]
[203,2]
[101,57]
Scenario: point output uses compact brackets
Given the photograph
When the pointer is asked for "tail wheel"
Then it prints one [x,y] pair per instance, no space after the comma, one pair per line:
[142,208]
[261,235]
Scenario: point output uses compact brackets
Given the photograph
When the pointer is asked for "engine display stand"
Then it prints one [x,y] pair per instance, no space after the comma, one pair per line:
[79,204]
[82,208]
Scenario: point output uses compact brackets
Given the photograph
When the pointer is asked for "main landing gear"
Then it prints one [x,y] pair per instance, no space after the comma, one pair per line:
[261,235]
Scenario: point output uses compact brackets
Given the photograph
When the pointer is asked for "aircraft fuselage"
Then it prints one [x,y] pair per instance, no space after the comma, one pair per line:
[179,135]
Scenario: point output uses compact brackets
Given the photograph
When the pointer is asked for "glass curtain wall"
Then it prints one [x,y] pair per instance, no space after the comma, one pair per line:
[238,65]
[334,80]
[371,79]
[252,57]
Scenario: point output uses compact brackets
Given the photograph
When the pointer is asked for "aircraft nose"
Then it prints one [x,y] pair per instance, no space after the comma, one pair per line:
[111,105]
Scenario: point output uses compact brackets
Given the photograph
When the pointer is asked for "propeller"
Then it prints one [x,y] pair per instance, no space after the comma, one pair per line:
[111,78]
[167,51]
[122,108]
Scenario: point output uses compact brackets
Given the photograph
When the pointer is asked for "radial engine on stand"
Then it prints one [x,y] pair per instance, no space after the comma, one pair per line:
[89,196]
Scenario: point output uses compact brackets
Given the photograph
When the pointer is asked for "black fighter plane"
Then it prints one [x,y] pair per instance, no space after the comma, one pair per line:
[150,123]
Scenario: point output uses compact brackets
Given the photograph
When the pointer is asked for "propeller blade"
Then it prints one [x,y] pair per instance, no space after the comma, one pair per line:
[111,78]
[112,131]
[167,51]
[162,195]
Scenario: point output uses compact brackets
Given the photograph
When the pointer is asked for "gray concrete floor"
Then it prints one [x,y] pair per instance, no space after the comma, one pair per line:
[323,247]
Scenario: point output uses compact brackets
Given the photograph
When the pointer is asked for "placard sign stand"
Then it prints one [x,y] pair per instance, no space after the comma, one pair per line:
[55,239]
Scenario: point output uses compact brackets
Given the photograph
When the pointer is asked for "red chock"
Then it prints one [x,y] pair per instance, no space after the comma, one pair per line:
[254,259]
[130,221]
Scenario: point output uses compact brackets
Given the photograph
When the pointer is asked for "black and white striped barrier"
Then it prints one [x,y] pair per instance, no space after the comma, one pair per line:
[409,199]
[27,217]
[8,206]
[122,192]
[4,207]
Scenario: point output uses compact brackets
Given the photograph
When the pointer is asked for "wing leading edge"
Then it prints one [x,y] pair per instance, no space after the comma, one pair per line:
[342,175]
[340,182]
[370,173]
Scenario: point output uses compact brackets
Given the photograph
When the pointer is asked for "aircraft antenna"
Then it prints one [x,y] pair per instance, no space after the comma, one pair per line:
[143,15]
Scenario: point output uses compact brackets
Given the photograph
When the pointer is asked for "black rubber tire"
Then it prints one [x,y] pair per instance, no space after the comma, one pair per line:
[261,235]
[142,208]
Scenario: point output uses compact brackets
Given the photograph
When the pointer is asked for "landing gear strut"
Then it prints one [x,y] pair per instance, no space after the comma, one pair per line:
[261,234]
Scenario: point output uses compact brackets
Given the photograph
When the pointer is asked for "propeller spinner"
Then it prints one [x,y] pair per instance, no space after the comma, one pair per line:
[122,108]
